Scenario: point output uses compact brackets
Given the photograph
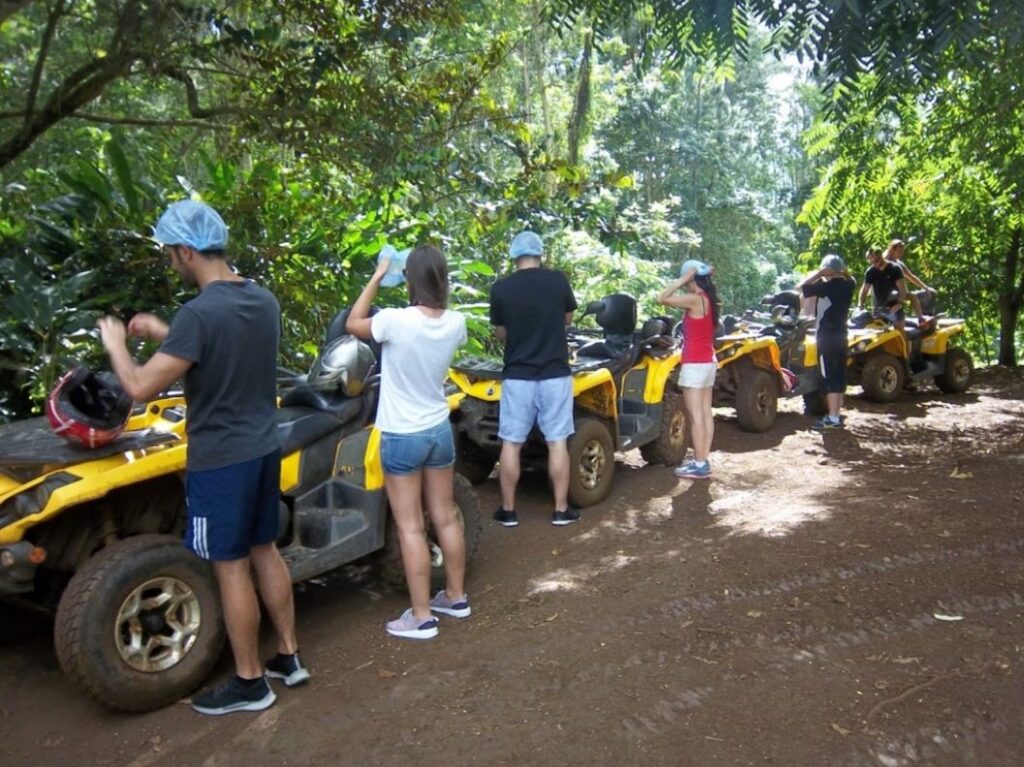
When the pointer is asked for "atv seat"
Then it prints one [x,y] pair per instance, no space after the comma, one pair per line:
[298,425]
[621,351]
[306,414]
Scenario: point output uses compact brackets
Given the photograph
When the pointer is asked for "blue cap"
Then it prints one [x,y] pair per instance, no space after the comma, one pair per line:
[394,275]
[192,223]
[526,244]
[700,268]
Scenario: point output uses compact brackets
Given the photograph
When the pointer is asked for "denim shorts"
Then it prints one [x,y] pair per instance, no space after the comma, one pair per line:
[233,508]
[402,454]
[547,402]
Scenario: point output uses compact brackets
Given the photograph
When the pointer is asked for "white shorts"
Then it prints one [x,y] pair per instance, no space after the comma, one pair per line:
[697,375]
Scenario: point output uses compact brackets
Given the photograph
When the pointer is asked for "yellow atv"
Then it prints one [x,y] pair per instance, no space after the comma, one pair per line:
[883,360]
[751,355]
[623,398]
[96,534]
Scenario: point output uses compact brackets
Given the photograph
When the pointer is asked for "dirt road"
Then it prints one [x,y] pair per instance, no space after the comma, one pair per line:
[855,598]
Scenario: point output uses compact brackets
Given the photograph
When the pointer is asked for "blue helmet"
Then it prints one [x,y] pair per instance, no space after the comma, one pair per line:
[526,243]
[699,267]
[192,223]
[396,268]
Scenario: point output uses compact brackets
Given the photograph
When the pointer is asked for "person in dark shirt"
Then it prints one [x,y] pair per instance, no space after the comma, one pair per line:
[224,344]
[832,286]
[895,254]
[885,281]
[530,310]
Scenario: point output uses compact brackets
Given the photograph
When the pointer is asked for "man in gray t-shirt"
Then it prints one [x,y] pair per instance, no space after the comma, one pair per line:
[224,344]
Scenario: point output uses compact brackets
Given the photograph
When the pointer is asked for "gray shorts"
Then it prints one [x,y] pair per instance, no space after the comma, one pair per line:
[547,402]
[697,375]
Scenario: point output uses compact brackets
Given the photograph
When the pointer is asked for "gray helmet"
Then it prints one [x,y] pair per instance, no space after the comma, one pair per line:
[343,366]
[833,262]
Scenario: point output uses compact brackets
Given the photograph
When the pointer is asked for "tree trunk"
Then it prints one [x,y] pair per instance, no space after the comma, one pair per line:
[581,109]
[526,80]
[1010,298]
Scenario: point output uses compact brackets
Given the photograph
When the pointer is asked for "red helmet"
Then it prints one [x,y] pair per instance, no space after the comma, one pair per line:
[88,408]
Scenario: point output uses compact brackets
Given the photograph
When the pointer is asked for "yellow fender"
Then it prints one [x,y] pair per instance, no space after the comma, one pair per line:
[762,351]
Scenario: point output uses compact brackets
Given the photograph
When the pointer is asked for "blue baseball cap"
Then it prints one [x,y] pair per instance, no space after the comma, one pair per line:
[526,244]
[700,268]
[394,275]
[192,223]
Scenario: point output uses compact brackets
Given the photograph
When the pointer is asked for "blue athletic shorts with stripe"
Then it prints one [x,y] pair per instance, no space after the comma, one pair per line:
[547,403]
[234,508]
[832,362]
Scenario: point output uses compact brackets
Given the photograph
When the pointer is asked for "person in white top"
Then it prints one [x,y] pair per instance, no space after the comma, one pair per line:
[417,449]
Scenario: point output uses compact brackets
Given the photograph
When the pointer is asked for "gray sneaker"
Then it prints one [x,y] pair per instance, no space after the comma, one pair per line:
[458,608]
[408,626]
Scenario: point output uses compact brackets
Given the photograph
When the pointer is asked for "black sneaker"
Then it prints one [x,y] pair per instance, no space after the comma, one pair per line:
[506,518]
[235,694]
[289,668]
[566,517]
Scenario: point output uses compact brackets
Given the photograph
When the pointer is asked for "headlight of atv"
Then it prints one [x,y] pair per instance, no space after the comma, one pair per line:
[860,347]
[34,499]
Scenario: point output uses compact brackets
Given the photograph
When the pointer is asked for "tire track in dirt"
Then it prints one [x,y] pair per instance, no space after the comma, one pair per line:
[697,603]
[662,712]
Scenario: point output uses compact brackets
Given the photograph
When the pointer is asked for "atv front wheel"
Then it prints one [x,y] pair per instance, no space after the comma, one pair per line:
[757,400]
[670,446]
[472,461]
[959,367]
[591,463]
[140,624]
[882,378]
[470,518]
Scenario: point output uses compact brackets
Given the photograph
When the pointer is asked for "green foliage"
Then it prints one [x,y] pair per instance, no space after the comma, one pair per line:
[323,130]
[943,174]
[907,45]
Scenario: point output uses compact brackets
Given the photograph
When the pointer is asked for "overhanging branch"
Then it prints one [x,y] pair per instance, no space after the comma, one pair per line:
[192,95]
[149,122]
[44,48]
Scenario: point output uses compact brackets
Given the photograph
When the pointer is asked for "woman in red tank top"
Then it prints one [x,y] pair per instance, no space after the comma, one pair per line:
[695,294]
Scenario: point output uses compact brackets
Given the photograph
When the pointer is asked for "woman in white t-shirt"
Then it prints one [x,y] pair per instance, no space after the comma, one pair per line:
[417,449]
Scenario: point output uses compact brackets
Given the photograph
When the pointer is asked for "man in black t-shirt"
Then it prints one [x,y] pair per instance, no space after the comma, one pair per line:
[223,343]
[530,310]
[884,279]
[833,286]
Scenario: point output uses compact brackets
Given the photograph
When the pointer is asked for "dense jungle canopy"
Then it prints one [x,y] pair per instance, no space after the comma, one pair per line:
[757,135]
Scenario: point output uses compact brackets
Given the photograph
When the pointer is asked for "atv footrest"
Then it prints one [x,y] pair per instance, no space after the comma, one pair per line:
[322,527]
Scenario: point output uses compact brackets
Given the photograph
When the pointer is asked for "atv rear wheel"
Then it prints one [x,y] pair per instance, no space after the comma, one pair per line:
[959,367]
[470,517]
[882,378]
[670,446]
[757,400]
[591,462]
[140,624]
